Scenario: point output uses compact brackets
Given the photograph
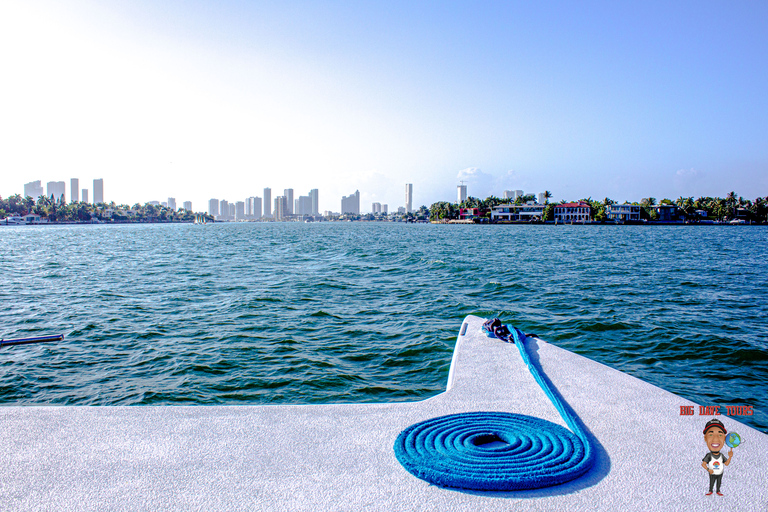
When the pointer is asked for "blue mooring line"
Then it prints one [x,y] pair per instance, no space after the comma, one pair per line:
[497,451]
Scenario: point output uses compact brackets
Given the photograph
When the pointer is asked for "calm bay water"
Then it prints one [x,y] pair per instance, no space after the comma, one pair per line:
[361,312]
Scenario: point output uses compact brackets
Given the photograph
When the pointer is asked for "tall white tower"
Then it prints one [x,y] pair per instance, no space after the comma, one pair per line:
[267,202]
[74,189]
[408,197]
[98,191]
[288,193]
[462,194]
[314,196]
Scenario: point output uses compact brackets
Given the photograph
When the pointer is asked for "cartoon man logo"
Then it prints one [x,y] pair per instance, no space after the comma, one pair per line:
[714,461]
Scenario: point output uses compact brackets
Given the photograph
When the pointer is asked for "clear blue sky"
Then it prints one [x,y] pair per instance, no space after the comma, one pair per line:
[201,99]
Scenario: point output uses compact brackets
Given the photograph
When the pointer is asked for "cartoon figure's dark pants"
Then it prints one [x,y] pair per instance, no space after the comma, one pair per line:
[713,479]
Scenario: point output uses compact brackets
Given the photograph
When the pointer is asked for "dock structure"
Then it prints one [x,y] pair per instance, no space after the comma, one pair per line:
[341,457]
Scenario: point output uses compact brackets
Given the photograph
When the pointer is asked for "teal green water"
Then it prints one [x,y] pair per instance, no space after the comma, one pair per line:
[361,312]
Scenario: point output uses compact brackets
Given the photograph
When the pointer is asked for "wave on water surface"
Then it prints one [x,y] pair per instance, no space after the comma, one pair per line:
[368,312]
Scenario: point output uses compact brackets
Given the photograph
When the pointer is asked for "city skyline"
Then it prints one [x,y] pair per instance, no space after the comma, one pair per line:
[194,100]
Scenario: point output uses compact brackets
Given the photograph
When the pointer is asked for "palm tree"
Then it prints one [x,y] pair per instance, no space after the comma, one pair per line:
[547,196]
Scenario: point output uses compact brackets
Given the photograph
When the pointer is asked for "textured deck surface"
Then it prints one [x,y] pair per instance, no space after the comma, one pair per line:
[341,457]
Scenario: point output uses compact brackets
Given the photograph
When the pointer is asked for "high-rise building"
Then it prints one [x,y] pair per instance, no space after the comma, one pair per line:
[33,189]
[188,205]
[85,195]
[281,208]
[462,194]
[256,207]
[518,193]
[224,209]
[172,203]
[213,207]
[74,189]
[542,198]
[232,210]
[376,208]
[56,190]
[384,208]
[267,202]
[303,205]
[250,208]
[240,210]
[98,191]
[408,197]
[314,195]
[351,203]
[288,193]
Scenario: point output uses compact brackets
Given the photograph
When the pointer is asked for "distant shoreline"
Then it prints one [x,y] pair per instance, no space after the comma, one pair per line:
[503,223]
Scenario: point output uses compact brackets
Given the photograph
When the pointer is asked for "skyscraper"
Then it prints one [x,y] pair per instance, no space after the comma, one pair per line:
[256,207]
[267,202]
[188,205]
[74,189]
[98,191]
[224,209]
[240,210]
[85,195]
[250,208]
[288,193]
[462,194]
[213,207]
[33,189]
[351,203]
[56,189]
[408,197]
[172,203]
[281,208]
[314,196]
[304,205]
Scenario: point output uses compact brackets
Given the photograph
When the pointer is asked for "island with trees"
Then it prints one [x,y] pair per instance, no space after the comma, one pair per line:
[59,212]
[731,208]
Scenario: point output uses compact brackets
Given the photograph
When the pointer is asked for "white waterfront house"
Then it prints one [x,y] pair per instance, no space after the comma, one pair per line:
[34,218]
[573,212]
[623,212]
[515,212]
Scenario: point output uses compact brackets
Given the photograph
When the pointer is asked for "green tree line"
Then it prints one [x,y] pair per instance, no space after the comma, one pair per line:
[59,211]
[717,208]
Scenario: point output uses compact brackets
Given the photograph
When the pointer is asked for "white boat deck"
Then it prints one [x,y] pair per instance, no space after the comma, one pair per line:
[341,457]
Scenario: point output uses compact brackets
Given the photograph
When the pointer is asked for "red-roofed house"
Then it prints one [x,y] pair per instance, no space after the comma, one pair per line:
[573,212]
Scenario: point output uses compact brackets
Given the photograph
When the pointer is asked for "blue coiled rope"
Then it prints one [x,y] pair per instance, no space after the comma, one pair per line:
[497,451]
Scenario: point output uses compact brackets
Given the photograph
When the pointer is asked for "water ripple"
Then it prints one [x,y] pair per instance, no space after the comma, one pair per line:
[353,312]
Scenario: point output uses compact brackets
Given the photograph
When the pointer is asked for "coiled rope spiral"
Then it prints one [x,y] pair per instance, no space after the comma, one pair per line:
[497,451]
